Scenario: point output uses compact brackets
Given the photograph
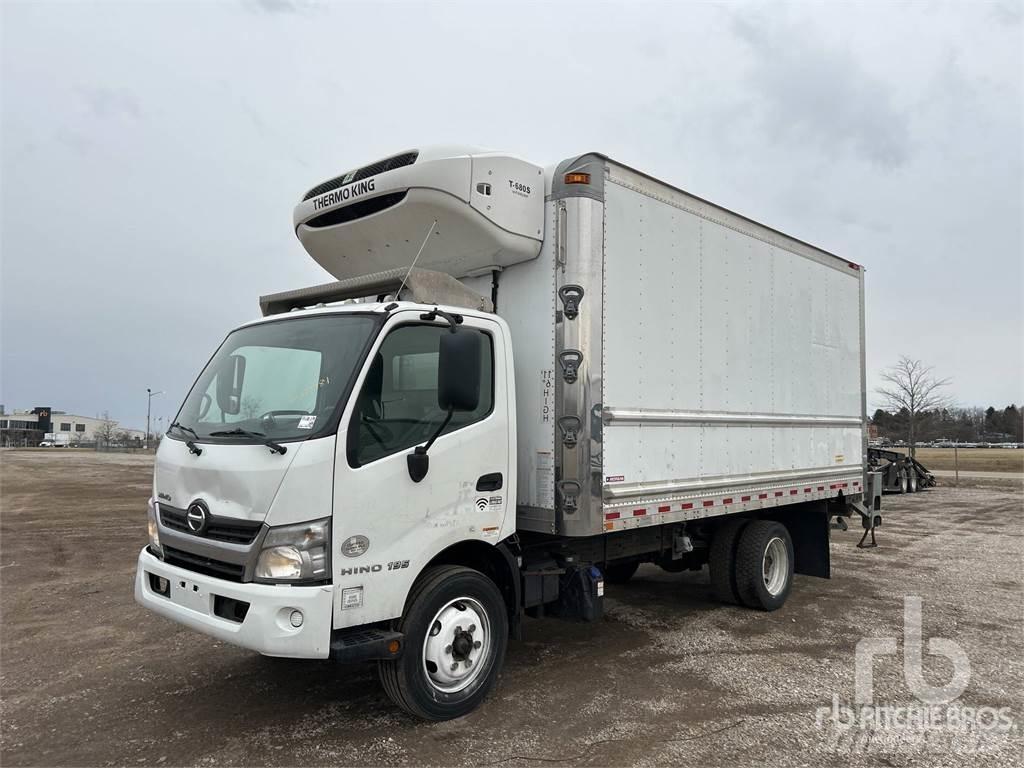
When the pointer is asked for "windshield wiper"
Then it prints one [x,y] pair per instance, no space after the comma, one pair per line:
[239,432]
[192,447]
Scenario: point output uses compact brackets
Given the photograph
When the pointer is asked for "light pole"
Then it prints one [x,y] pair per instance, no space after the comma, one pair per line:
[150,394]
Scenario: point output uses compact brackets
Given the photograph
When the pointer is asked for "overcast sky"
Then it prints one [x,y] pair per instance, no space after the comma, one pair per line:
[152,154]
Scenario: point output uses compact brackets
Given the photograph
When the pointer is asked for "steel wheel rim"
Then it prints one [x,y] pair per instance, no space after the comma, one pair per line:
[458,645]
[775,566]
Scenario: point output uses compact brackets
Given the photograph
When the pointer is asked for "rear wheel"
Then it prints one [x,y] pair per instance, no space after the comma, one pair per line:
[912,482]
[722,560]
[902,480]
[620,573]
[456,630]
[764,565]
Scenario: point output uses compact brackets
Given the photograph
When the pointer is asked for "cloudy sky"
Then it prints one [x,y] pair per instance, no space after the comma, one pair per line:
[152,154]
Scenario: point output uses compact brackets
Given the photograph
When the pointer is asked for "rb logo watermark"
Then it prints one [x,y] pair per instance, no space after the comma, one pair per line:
[934,723]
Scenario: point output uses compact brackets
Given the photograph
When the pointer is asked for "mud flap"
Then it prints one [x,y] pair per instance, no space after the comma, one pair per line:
[809,531]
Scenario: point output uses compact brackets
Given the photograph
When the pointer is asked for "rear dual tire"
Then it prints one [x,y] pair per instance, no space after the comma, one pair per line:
[751,563]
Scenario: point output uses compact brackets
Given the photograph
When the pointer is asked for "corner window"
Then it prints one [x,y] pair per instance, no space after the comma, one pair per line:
[397,406]
[79,427]
[65,426]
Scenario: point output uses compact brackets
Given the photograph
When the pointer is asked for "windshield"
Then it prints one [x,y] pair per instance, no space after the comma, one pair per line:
[284,380]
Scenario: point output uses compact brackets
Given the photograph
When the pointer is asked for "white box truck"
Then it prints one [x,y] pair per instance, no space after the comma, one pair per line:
[523,383]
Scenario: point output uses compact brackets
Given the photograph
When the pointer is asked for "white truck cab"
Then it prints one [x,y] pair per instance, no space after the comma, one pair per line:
[504,399]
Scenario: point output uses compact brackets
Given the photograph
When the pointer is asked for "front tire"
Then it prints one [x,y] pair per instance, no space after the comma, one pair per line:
[764,565]
[456,633]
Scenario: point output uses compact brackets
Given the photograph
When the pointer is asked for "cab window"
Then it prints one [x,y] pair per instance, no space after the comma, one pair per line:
[397,406]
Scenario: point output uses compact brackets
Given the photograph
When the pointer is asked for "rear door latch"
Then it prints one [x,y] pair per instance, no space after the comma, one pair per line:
[570,426]
[570,495]
[570,294]
[570,360]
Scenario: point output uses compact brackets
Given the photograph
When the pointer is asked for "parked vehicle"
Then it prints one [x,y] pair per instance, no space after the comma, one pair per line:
[899,472]
[524,383]
[55,440]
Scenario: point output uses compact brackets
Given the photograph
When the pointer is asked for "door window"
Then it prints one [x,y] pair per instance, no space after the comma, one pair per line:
[397,406]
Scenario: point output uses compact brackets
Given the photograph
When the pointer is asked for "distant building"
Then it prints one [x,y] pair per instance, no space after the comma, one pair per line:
[26,428]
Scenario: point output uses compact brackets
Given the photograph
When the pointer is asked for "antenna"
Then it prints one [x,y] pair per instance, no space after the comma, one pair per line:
[398,296]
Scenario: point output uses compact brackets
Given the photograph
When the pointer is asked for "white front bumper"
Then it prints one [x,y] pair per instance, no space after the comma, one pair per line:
[266,628]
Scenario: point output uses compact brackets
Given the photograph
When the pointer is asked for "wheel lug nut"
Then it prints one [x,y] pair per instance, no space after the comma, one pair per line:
[455,665]
[458,629]
[469,662]
[447,649]
[476,644]
[472,628]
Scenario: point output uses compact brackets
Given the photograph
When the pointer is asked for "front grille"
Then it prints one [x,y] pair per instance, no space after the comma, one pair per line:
[227,529]
[390,164]
[355,211]
[204,565]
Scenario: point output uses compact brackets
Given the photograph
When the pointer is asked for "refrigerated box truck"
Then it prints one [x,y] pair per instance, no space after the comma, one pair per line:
[523,383]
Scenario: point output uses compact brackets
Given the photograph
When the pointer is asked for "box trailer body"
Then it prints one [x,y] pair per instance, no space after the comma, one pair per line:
[522,382]
[714,360]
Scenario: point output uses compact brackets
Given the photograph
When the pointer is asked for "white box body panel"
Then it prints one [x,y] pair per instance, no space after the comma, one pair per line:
[719,363]
[702,318]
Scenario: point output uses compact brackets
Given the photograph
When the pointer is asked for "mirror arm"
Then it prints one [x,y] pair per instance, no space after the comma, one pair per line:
[453,320]
[430,442]
[418,462]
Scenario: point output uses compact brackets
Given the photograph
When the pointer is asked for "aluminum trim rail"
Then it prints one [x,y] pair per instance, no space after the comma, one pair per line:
[617,416]
[668,487]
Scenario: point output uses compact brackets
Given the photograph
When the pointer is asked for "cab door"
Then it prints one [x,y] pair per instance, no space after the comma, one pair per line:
[386,525]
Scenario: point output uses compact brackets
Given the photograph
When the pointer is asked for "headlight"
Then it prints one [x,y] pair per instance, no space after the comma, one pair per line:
[154,529]
[296,553]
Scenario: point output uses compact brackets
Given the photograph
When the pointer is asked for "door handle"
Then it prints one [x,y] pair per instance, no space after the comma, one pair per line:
[491,482]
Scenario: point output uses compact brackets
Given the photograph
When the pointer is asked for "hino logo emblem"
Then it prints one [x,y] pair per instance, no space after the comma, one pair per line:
[197,517]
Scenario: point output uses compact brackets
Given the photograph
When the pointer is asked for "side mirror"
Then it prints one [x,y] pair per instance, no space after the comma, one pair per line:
[458,371]
[458,388]
[229,385]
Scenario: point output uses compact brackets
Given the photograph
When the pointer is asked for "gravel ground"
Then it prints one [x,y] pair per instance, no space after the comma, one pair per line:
[669,677]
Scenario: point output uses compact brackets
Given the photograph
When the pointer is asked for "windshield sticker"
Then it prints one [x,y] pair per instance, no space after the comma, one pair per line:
[307,422]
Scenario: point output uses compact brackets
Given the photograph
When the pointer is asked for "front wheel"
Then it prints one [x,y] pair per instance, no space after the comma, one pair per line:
[456,632]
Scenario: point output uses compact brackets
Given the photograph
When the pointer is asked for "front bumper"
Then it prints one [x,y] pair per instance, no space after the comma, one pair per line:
[266,627]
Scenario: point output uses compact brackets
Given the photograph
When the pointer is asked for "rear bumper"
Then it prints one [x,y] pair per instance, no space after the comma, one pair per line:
[267,626]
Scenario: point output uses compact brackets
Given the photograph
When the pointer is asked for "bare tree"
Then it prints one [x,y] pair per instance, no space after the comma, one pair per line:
[912,388]
[105,430]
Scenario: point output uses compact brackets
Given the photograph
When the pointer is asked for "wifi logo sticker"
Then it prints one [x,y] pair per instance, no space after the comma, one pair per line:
[481,504]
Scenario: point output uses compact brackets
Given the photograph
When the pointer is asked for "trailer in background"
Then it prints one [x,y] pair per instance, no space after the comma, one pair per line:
[900,472]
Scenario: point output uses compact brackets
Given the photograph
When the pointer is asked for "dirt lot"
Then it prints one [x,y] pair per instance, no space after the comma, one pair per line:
[669,677]
[972,459]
